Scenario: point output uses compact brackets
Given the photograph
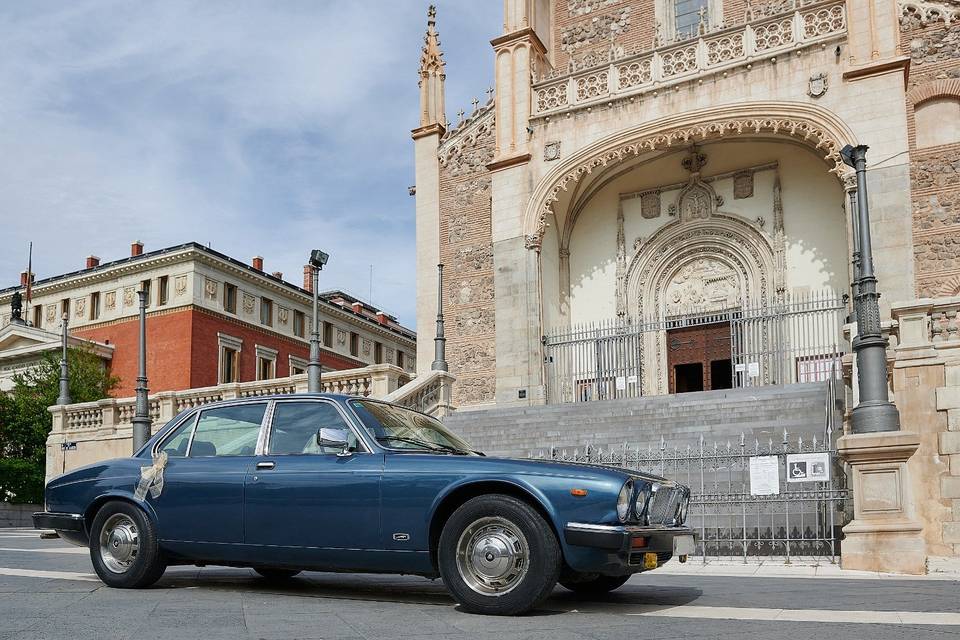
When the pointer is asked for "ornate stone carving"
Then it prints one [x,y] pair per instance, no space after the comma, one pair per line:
[743,185]
[129,294]
[705,284]
[915,14]
[650,204]
[249,303]
[477,257]
[581,7]
[551,151]
[51,313]
[817,85]
[620,294]
[471,357]
[937,211]
[367,346]
[79,307]
[465,192]
[283,315]
[471,322]
[696,202]
[594,30]
[388,355]
[341,336]
[180,285]
[472,152]
[210,288]
[474,290]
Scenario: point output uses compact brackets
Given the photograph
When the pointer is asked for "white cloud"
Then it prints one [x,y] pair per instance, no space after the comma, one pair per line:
[262,128]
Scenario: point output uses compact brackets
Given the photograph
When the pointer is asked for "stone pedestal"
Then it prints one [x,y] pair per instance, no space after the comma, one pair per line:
[884,534]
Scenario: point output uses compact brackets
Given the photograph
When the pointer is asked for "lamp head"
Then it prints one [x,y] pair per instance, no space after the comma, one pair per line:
[318,258]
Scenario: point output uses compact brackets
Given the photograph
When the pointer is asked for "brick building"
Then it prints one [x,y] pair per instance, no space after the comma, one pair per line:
[210,319]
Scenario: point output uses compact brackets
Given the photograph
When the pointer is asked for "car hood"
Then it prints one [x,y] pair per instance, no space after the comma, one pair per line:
[557,467]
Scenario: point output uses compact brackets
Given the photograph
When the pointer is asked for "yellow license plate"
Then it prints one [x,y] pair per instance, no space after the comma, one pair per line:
[650,561]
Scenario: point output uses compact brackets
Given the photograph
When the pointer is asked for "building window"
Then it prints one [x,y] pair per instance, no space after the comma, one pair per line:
[266,363]
[145,286]
[37,315]
[327,334]
[94,305]
[400,358]
[65,307]
[297,365]
[266,312]
[299,323]
[354,344]
[377,353]
[229,365]
[687,16]
[229,298]
[163,290]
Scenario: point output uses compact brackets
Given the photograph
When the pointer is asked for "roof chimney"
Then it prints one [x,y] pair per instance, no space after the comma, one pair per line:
[308,277]
[23,278]
[257,263]
[357,307]
[136,249]
[93,261]
[382,318]
[278,275]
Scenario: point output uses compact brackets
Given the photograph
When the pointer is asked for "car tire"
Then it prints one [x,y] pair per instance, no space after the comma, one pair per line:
[498,556]
[123,547]
[593,585]
[276,575]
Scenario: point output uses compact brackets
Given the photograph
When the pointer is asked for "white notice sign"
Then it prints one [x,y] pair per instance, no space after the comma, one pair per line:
[764,475]
[631,379]
[753,370]
[621,383]
[808,467]
[740,367]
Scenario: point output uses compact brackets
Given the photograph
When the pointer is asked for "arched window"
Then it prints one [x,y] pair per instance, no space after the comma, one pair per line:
[937,122]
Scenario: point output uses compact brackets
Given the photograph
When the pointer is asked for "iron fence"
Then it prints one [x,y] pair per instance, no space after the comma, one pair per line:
[732,519]
[795,339]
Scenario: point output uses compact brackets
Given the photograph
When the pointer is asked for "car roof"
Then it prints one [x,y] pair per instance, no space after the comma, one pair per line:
[340,397]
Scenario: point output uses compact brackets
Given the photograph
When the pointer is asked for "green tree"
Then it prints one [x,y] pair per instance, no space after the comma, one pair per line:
[25,422]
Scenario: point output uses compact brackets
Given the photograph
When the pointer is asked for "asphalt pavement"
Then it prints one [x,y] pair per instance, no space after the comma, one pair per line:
[48,590]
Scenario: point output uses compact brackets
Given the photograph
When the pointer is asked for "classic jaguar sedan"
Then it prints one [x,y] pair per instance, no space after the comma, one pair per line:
[322,482]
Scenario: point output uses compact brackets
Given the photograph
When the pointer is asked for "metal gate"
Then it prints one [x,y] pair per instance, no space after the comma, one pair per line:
[796,339]
[800,520]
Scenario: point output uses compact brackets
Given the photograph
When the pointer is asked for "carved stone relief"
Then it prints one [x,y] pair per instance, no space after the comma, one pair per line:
[474,322]
[551,151]
[283,315]
[341,336]
[706,284]
[593,30]
[110,300]
[210,288]
[476,257]
[695,202]
[180,285]
[466,192]
[474,290]
[249,303]
[743,185]
[129,293]
[80,307]
[388,355]
[367,347]
[51,313]
[650,204]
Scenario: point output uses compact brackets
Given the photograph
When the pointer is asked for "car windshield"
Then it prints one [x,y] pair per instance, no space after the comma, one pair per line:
[398,428]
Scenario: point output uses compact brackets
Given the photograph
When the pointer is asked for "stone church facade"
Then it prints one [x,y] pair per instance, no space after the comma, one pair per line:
[649,161]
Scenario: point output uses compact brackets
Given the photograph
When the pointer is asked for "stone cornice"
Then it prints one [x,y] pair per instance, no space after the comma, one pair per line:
[428,130]
[527,34]
[506,163]
[879,68]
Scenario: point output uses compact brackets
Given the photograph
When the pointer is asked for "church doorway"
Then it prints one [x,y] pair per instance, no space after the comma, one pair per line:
[698,358]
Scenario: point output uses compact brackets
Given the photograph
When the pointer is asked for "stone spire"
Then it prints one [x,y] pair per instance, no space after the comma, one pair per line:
[432,75]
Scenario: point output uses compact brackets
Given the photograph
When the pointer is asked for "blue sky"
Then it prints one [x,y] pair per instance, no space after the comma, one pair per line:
[262,128]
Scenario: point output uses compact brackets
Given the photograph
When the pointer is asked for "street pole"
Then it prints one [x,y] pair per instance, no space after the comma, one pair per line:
[874,412]
[314,367]
[141,418]
[64,397]
[855,262]
[439,342]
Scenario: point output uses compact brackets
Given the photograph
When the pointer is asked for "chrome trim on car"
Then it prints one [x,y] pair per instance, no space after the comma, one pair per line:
[623,528]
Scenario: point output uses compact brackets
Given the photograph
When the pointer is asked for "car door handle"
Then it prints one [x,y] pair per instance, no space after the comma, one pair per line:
[265,465]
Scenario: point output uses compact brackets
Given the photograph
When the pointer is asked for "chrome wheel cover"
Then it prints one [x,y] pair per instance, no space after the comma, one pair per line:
[493,556]
[119,543]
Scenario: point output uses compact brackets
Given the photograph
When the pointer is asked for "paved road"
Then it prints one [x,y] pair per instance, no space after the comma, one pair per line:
[48,590]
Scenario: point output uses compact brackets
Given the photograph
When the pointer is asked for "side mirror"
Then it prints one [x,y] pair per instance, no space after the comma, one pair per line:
[334,439]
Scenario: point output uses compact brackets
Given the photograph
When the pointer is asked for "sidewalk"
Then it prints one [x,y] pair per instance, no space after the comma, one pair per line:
[777,567]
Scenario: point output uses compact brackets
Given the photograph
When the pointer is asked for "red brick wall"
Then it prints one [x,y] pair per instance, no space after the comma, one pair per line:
[183,350]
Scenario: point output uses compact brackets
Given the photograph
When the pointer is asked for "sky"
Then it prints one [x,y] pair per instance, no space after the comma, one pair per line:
[257,127]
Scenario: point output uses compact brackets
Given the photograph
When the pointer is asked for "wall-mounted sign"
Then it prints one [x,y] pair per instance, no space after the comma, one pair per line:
[808,467]
[764,475]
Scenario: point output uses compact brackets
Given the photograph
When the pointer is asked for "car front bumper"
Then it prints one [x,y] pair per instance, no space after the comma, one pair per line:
[70,526]
[620,549]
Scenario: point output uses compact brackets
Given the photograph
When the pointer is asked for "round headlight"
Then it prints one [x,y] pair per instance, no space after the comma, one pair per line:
[640,504]
[623,501]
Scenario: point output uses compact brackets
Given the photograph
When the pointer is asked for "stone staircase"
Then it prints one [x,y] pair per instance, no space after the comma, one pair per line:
[757,412]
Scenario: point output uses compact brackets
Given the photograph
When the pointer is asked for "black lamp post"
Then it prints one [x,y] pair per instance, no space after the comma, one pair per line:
[317,260]
[439,342]
[64,397]
[141,417]
[874,412]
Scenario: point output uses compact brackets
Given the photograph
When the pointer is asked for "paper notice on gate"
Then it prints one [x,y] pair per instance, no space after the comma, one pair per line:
[764,475]
[621,383]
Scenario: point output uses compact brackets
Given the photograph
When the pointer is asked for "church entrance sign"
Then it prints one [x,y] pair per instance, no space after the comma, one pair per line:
[794,339]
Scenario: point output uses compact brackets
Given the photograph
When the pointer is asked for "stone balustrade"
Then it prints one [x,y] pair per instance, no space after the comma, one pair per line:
[430,394]
[87,432]
[674,63]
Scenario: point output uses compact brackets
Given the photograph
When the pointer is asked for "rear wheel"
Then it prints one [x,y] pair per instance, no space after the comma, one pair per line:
[123,547]
[276,574]
[498,556]
[593,584]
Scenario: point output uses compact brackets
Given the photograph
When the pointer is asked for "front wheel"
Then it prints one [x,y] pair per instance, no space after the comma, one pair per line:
[123,547]
[593,585]
[498,556]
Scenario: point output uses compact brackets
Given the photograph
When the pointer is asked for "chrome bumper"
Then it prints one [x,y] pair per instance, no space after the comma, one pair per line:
[58,521]
[657,539]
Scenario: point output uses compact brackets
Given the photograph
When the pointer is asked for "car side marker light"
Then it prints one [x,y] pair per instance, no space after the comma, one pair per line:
[578,493]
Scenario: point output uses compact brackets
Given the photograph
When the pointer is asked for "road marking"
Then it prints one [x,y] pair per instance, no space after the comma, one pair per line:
[802,615]
[82,550]
[56,575]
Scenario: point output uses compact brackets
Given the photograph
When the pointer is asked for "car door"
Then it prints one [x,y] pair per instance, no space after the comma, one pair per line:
[305,503]
[201,501]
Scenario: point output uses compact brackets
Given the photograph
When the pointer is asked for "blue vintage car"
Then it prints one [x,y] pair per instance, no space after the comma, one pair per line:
[337,483]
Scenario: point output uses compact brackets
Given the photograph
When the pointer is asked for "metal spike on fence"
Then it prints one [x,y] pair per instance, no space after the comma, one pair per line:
[814,442]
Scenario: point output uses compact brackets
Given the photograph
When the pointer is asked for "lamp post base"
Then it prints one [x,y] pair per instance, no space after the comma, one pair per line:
[874,417]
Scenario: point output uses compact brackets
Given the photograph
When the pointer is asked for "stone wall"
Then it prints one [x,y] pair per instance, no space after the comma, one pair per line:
[466,250]
[17,515]
[934,48]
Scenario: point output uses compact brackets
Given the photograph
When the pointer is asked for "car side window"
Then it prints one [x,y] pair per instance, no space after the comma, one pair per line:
[228,431]
[176,445]
[295,427]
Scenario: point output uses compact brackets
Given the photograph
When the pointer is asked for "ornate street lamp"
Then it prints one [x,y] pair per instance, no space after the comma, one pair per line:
[874,412]
[439,342]
[317,260]
[141,417]
[64,397]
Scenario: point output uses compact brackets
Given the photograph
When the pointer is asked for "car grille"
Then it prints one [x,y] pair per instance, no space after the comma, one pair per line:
[663,505]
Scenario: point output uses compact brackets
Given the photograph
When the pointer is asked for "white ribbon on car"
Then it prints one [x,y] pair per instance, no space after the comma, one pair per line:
[151,478]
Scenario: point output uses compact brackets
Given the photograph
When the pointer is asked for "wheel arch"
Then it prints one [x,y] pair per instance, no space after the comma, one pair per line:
[97,503]
[459,494]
